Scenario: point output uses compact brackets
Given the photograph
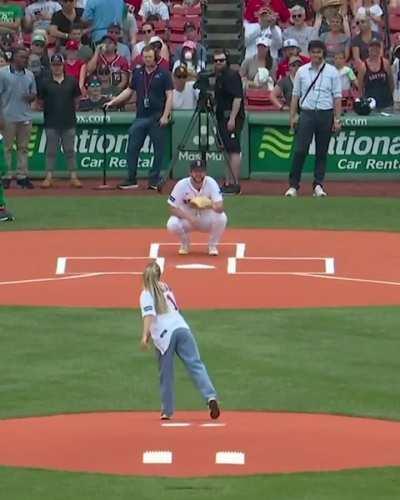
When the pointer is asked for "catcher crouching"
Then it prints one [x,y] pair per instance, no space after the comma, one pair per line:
[196,204]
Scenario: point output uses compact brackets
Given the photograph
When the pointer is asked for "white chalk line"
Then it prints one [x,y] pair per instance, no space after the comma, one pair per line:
[344,278]
[44,280]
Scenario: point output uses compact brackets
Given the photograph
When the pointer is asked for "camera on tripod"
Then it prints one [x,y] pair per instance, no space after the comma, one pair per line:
[204,86]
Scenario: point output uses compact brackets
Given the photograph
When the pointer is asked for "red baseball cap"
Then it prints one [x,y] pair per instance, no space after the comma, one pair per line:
[72,45]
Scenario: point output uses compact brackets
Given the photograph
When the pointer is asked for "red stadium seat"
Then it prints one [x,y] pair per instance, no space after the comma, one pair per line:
[177,24]
[177,38]
[259,100]
[394,23]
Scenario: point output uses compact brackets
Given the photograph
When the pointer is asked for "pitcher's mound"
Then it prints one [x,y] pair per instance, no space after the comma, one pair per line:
[190,445]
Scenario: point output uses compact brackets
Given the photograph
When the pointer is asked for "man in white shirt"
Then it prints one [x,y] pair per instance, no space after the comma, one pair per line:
[38,14]
[185,218]
[154,8]
[265,28]
[184,95]
[317,92]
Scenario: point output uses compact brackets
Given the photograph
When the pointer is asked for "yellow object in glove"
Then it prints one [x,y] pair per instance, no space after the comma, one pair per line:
[201,202]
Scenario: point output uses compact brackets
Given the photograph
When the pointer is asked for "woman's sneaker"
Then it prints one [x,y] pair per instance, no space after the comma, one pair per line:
[214,409]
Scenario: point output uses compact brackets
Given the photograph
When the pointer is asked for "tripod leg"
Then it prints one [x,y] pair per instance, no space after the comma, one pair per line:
[219,140]
[182,146]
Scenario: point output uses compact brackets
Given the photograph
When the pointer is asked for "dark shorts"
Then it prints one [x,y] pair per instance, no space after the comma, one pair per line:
[230,140]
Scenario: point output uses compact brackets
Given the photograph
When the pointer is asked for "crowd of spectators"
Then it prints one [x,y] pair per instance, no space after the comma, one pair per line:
[277,31]
[101,42]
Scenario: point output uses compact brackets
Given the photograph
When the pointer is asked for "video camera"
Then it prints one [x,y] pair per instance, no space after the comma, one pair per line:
[203,82]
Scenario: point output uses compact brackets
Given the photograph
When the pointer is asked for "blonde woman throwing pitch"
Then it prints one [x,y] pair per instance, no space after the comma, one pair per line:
[171,335]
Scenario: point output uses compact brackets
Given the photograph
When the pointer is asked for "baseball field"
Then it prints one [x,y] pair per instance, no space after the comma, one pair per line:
[297,320]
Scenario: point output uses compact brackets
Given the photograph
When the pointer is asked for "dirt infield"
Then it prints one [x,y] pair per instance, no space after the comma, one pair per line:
[114,443]
[255,268]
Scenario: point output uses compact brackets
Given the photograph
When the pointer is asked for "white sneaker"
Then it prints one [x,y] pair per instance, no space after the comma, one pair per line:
[291,192]
[212,250]
[318,191]
[183,249]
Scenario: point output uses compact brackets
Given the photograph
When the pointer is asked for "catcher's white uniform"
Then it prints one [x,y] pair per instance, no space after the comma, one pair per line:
[207,220]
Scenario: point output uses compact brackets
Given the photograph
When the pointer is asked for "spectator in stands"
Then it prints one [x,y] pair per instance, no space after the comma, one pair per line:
[373,12]
[266,28]
[38,14]
[76,34]
[11,16]
[282,92]
[184,95]
[253,69]
[153,87]
[74,66]
[161,52]
[290,48]
[148,32]
[157,9]
[129,27]
[17,92]
[106,61]
[191,35]
[338,38]
[7,45]
[190,59]
[94,100]
[375,78]
[122,49]
[102,13]
[347,76]
[134,6]
[230,116]
[38,61]
[62,21]
[396,77]
[59,94]
[360,43]
[300,31]
[253,8]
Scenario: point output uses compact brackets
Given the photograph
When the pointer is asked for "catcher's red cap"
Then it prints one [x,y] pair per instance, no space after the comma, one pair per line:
[198,165]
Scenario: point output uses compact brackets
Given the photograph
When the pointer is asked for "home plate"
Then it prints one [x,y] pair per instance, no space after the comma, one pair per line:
[194,266]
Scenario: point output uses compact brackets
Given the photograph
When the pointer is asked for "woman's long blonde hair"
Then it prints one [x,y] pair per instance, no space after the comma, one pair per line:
[152,283]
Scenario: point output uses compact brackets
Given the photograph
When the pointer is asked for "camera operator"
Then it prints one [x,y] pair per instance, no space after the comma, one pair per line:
[230,116]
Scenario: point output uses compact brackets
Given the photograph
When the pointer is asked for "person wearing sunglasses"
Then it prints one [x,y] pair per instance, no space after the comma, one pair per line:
[230,117]
[360,43]
[148,31]
[265,28]
[115,31]
[299,30]
[94,99]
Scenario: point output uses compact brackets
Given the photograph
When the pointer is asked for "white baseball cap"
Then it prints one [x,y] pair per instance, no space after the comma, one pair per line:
[290,42]
[262,40]
[155,39]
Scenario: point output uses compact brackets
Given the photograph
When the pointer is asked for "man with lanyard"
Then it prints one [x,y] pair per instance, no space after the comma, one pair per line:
[153,87]
[317,95]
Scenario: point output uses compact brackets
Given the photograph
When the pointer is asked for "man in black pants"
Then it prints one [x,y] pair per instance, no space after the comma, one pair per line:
[153,86]
[317,92]
[230,116]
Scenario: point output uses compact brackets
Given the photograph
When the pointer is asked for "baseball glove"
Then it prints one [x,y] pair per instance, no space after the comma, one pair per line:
[201,202]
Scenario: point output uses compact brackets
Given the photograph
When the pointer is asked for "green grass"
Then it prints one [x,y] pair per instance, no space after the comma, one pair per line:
[373,484]
[251,211]
[317,360]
